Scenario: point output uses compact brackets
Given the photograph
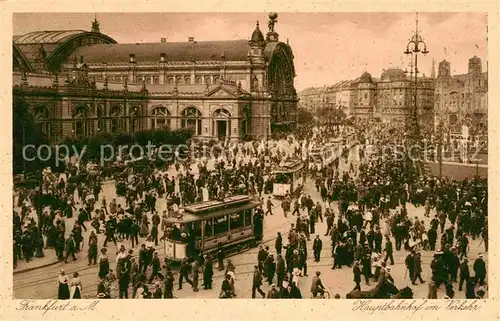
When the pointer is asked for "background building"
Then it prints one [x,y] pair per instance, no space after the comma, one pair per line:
[387,98]
[80,83]
[462,99]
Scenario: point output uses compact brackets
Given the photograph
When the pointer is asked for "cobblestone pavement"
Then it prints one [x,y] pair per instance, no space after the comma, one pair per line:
[41,283]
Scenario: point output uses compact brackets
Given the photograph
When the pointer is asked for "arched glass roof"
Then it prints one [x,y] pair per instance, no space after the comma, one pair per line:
[42,37]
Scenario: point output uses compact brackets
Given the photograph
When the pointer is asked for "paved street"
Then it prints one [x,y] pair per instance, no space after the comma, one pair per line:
[42,283]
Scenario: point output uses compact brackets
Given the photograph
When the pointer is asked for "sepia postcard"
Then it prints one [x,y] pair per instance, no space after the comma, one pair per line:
[337,158]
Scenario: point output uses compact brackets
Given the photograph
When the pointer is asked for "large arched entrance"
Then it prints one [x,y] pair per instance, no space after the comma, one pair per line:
[222,124]
[280,77]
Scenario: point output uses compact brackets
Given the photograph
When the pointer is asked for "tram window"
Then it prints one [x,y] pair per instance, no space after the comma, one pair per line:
[220,225]
[197,229]
[283,178]
[248,217]
[236,220]
[209,231]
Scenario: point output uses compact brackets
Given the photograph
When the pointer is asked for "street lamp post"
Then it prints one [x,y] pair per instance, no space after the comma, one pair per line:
[440,148]
[413,48]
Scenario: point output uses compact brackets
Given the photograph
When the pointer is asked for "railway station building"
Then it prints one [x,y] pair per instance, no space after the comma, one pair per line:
[80,83]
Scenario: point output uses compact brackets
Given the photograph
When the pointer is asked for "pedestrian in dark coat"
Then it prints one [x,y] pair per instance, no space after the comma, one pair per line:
[278,244]
[317,246]
[453,266]
[70,248]
[156,267]
[92,251]
[480,270]
[464,273]
[124,283]
[257,282]
[208,273]
[280,270]
[389,250]
[357,276]
[470,287]
[270,268]
[417,269]
[367,268]
[195,275]
[169,284]
[410,264]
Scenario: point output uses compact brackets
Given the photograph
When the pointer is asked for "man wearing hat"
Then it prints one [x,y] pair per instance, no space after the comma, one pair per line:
[169,284]
[184,272]
[70,248]
[257,282]
[317,246]
[410,264]
[417,269]
[464,273]
[438,269]
[464,244]
[480,270]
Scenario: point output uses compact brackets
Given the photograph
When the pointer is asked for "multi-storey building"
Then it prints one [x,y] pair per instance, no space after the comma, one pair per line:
[80,83]
[462,99]
[392,96]
[312,98]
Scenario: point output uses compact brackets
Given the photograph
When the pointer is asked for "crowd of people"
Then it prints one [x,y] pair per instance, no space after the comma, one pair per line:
[371,213]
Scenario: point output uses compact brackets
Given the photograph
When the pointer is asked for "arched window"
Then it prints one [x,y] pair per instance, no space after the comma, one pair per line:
[160,117]
[191,117]
[82,125]
[156,80]
[207,80]
[171,81]
[198,80]
[135,118]
[42,118]
[101,125]
[117,121]
[187,80]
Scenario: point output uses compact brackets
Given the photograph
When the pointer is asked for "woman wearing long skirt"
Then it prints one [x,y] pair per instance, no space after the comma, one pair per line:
[144,231]
[76,287]
[63,292]
[103,264]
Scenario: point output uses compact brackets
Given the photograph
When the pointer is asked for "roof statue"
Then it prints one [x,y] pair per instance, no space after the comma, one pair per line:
[273,19]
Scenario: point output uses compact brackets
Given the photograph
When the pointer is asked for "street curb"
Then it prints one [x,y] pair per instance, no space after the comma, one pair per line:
[35,268]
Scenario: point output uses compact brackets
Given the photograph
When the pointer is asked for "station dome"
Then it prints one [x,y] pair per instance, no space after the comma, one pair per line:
[365,77]
[257,35]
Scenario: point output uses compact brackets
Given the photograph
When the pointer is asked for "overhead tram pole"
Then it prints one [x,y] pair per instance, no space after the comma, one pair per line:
[413,136]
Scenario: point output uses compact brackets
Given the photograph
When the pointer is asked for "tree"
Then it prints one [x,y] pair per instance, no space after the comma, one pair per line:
[24,132]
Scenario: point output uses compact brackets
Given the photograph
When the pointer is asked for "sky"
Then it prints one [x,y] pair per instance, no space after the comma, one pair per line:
[328,47]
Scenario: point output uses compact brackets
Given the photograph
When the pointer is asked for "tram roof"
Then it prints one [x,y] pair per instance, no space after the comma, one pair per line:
[290,166]
[186,216]
[215,204]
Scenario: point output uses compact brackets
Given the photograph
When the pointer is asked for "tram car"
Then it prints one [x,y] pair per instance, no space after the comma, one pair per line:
[323,157]
[231,224]
[289,178]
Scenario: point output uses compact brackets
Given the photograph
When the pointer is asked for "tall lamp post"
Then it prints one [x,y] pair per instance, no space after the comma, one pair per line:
[413,48]
[440,148]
